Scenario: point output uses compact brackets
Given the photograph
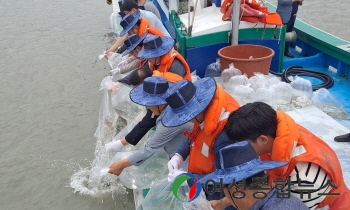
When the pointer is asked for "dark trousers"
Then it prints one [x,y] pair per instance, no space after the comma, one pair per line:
[289,28]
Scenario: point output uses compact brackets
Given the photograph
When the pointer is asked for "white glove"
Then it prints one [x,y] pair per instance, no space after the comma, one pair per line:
[173,174]
[115,71]
[114,146]
[175,162]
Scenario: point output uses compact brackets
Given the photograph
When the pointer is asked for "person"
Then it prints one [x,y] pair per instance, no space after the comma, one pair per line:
[149,120]
[152,95]
[140,129]
[275,136]
[129,7]
[161,56]
[288,9]
[207,106]
[133,45]
[148,6]
[241,175]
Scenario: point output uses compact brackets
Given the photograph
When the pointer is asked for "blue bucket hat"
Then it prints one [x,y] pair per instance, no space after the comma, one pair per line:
[132,41]
[186,100]
[155,46]
[129,21]
[151,93]
[237,162]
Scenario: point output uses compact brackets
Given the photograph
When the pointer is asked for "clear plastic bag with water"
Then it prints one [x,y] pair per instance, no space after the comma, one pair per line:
[236,80]
[243,94]
[302,92]
[259,80]
[114,59]
[284,93]
[161,196]
[325,101]
[107,117]
[114,20]
[144,175]
[194,76]
[124,107]
[267,96]
[213,69]
[229,72]
[272,80]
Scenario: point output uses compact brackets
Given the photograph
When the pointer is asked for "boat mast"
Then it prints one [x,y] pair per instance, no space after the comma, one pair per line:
[235,21]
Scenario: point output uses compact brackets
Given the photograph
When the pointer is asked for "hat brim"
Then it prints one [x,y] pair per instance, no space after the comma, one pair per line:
[205,90]
[132,47]
[238,173]
[137,95]
[131,24]
[166,46]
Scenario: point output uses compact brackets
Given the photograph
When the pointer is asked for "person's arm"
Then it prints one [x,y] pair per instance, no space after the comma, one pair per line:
[136,134]
[309,174]
[149,6]
[117,43]
[159,139]
[117,167]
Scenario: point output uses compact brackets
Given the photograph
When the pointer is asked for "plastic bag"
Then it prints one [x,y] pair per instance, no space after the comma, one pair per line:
[213,69]
[325,101]
[302,92]
[124,107]
[229,72]
[126,65]
[259,80]
[266,95]
[107,117]
[236,80]
[284,93]
[194,76]
[144,175]
[114,20]
[114,59]
[243,94]
[161,196]
[272,80]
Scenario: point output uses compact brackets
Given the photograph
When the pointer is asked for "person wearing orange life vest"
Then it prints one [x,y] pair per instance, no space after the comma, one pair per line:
[207,105]
[135,79]
[131,8]
[275,136]
[152,95]
[161,56]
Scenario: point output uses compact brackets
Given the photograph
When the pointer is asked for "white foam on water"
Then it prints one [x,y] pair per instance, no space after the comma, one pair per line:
[95,180]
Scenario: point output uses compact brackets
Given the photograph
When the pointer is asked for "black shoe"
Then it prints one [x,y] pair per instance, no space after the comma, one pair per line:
[342,138]
[287,54]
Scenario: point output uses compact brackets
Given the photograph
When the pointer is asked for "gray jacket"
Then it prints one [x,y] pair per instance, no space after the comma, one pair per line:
[169,138]
[284,9]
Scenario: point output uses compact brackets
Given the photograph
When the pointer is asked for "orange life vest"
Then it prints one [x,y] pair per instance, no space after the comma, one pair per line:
[317,151]
[145,27]
[167,60]
[169,76]
[202,155]
[252,12]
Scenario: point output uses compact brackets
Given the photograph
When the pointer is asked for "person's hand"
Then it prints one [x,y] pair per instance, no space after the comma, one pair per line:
[173,174]
[116,168]
[114,146]
[107,54]
[220,204]
[175,162]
